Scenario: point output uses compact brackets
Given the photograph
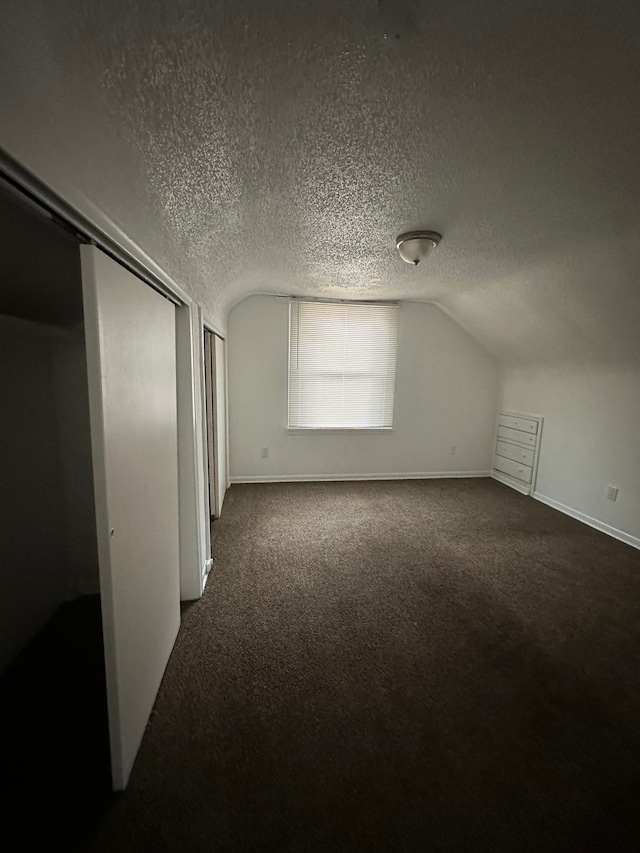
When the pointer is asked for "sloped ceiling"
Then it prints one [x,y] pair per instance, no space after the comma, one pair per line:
[253,146]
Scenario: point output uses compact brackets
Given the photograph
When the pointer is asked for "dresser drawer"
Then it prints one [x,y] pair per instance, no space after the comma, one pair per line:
[518,423]
[511,451]
[517,435]
[515,469]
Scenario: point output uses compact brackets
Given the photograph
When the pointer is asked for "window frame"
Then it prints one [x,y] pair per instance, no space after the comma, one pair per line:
[338,430]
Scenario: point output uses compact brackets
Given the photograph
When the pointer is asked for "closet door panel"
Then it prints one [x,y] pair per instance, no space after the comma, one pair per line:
[130,337]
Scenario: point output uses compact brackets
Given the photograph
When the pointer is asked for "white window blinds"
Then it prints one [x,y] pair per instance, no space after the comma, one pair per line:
[342,365]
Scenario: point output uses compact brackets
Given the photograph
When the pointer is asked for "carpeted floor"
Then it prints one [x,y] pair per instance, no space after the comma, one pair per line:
[397,666]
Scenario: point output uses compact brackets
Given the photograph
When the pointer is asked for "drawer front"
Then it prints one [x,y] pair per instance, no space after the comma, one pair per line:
[517,435]
[515,469]
[518,423]
[511,451]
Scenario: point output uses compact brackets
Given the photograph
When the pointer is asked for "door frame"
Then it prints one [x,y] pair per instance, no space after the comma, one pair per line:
[213,508]
[195,522]
[95,227]
[190,459]
[211,421]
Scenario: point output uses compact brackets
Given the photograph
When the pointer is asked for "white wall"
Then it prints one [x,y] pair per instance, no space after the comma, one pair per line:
[590,439]
[446,394]
[46,544]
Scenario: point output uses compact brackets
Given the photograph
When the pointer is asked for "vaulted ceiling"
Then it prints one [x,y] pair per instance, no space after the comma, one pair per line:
[252,146]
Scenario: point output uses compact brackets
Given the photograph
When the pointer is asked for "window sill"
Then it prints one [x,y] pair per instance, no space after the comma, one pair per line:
[337,430]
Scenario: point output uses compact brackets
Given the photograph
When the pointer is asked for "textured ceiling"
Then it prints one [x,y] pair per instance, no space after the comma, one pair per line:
[281,146]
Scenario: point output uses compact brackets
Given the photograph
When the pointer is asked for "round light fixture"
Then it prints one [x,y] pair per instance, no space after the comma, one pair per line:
[414,246]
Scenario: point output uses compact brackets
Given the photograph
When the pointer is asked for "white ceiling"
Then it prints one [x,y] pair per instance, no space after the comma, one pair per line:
[280,146]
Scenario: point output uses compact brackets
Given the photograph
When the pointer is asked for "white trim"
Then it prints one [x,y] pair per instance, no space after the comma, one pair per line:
[226,414]
[634,541]
[101,220]
[338,478]
[191,547]
[337,430]
[523,488]
[201,428]
[220,409]
[91,223]
[210,326]
[309,398]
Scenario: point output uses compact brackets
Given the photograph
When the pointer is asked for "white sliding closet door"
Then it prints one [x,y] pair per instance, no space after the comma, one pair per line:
[130,337]
[221,422]
[211,425]
[216,410]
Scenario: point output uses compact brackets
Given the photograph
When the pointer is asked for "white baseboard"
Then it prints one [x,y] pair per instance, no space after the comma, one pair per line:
[523,488]
[634,541]
[339,478]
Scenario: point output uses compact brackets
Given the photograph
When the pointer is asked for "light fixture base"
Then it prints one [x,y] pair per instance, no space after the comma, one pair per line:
[414,246]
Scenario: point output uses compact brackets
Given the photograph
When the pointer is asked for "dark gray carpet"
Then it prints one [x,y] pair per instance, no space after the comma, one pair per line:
[391,666]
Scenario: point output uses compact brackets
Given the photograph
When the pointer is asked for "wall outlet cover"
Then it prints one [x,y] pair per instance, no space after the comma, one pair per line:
[612,493]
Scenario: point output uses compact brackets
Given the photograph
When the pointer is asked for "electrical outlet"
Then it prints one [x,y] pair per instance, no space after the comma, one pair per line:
[611,493]
[265,452]
[453,449]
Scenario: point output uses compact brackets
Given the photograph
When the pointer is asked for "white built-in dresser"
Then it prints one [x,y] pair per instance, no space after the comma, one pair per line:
[517,447]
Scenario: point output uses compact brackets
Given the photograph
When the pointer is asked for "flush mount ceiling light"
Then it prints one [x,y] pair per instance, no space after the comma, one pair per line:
[414,246]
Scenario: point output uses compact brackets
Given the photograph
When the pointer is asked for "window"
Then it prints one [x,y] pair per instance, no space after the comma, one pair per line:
[342,365]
